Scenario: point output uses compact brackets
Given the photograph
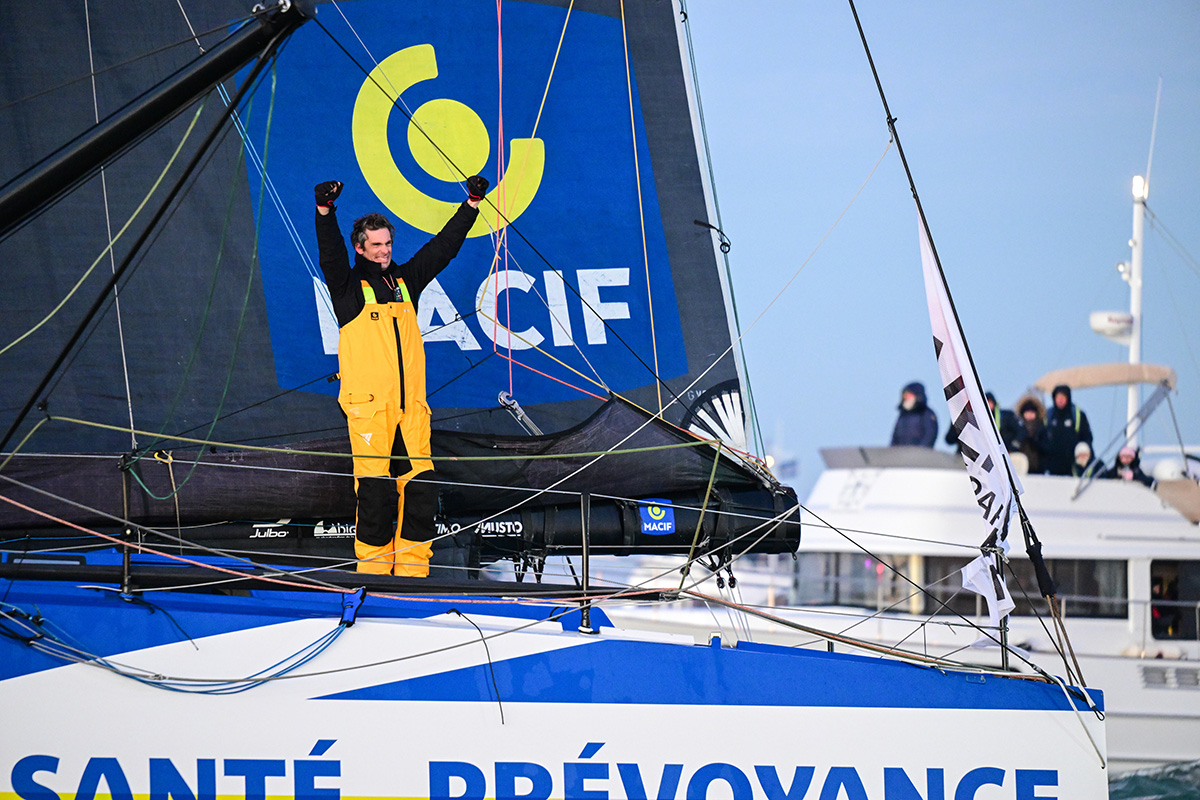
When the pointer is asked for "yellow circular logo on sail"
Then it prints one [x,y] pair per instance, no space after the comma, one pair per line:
[657,512]
[458,133]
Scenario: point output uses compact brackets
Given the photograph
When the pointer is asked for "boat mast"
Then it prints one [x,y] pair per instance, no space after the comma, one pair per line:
[1134,276]
[1141,190]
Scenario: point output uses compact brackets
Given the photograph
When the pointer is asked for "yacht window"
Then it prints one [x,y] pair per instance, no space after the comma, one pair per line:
[851,579]
[1086,587]
[1174,599]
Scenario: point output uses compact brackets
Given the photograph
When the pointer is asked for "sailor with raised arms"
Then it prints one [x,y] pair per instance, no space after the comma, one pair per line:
[381,358]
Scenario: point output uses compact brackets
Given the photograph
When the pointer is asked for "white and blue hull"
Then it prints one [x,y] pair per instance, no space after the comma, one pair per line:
[404,704]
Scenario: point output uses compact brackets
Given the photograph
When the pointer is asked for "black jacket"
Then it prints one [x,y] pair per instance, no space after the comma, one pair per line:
[1065,428]
[345,284]
[917,426]
[1132,472]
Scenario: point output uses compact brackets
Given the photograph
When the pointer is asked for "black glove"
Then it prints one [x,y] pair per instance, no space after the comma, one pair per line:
[477,187]
[327,192]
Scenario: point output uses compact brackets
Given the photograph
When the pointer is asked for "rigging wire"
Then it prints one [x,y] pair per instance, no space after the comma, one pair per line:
[204,314]
[623,593]
[763,524]
[289,451]
[940,604]
[264,401]
[251,272]
[996,539]
[786,285]
[538,492]
[306,583]
[712,182]
[200,155]
[1179,318]
[1173,242]
[139,261]
[739,337]
[112,262]
[96,73]
[499,232]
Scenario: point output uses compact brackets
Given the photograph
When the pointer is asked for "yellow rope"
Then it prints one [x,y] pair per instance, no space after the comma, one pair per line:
[502,238]
[109,247]
[545,93]
[21,444]
[641,211]
[538,348]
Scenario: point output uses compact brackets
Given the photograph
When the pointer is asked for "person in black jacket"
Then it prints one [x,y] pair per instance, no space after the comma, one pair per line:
[1066,427]
[1007,423]
[917,424]
[1129,467]
[1031,437]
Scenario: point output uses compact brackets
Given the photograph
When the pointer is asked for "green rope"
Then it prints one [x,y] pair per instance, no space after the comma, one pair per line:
[245,297]
[288,451]
[712,477]
[212,288]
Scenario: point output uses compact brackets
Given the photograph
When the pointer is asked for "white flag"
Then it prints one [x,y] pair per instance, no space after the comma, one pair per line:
[988,466]
[982,578]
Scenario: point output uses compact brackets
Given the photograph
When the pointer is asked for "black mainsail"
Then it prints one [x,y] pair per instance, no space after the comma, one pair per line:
[589,295]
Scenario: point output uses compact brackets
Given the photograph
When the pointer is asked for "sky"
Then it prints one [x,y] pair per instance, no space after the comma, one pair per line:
[1023,124]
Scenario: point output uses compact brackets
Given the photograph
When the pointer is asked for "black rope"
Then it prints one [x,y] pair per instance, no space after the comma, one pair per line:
[488,651]
[284,393]
[511,225]
[1032,545]
[461,374]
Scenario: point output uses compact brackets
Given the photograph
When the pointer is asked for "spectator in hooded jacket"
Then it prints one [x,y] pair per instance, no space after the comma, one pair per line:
[1031,437]
[1129,467]
[1066,427]
[1086,464]
[917,425]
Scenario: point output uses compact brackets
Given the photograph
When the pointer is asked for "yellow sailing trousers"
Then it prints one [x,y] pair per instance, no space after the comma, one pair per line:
[382,361]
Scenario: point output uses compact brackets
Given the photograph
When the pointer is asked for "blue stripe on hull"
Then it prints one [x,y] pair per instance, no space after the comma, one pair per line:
[750,675]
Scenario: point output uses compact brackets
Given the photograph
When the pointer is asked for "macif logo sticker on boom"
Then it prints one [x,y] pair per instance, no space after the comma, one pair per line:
[658,517]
